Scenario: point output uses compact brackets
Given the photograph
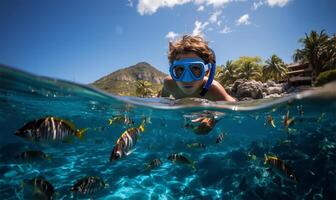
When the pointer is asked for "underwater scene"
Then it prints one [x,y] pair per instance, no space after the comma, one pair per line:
[61,140]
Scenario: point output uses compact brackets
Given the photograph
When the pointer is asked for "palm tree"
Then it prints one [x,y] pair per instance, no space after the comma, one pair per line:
[228,73]
[249,71]
[274,69]
[313,51]
[143,88]
[330,54]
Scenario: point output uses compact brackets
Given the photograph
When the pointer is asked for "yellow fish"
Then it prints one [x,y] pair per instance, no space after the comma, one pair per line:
[280,168]
[270,121]
[288,121]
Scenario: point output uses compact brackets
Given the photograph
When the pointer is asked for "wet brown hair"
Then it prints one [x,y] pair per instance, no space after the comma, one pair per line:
[194,44]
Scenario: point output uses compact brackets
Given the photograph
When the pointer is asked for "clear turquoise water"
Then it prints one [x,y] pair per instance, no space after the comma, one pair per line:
[223,170]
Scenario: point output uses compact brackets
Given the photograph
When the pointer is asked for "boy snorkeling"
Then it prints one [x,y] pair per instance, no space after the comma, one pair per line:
[188,58]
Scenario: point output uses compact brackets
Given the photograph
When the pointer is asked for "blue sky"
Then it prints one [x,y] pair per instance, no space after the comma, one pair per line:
[83,40]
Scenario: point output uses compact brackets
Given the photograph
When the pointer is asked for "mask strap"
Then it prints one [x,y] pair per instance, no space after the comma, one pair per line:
[211,75]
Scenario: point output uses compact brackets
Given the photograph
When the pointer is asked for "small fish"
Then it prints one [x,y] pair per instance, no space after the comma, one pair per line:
[220,138]
[196,145]
[280,168]
[179,158]
[251,156]
[153,164]
[121,119]
[125,143]
[32,156]
[300,110]
[285,142]
[321,117]
[49,128]
[147,120]
[88,185]
[270,121]
[288,121]
[39,188]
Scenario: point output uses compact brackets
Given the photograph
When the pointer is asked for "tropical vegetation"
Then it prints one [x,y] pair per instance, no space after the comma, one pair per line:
[143,89]
[275,69]
[326,77]
[318,50]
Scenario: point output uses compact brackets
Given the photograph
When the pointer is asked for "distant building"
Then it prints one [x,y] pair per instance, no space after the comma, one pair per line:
[299,74]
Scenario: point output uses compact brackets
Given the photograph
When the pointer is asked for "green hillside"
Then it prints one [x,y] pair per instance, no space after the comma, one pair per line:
[123,81]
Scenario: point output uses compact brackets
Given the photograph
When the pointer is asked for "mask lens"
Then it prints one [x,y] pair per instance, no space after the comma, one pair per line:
[178,71]
[196,69]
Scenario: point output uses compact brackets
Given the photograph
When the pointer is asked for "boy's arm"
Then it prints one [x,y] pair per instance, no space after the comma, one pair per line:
[219,93]
[164,92]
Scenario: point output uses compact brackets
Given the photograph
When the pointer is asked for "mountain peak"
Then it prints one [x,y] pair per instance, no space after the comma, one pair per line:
[129,75]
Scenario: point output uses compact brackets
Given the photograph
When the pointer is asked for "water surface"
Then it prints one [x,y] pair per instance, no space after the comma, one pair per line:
[224,170]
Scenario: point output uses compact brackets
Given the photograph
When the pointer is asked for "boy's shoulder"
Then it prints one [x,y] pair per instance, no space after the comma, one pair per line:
[169,84]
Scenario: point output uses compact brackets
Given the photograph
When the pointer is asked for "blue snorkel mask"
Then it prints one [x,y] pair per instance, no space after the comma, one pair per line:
[192,69]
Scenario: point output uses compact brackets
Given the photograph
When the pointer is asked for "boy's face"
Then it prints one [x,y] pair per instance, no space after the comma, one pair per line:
[188,87]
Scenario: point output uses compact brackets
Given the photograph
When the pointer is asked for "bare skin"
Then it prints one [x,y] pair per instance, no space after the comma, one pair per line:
[180,90]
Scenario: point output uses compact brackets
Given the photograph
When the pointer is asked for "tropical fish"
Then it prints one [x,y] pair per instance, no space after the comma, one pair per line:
[49,128]
[203,125]
[300,110]
[121,119]
[270,121]
[288,121]
[88,185]
[125,143]
[196,145]
[33,156]
[220,138]
[38,188]
[280,168]
[251,156]
[321,117]
[179,158]
[285,142]
[153,164]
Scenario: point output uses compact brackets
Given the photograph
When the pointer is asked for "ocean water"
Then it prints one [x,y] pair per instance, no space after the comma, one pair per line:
[232,169]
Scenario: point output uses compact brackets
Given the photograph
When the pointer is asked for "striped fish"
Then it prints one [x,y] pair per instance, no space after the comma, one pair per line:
[126,142]
[179,158]
[270,121]
[49,128]
[121,119]
[288,121]
[39,188]
[196,145]
[88,185]
[153,164]
[280,168]
[220,138]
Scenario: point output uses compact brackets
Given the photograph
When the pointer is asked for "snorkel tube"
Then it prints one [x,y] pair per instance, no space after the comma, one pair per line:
[211,75]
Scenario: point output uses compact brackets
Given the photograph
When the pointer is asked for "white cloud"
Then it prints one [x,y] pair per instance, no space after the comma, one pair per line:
[219,22]
[214,17]
[256,5]
[280,3]
[226,30]
[150,6]
[214,3]
[199,27]
[171,35]
[243,20]
[201,8]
